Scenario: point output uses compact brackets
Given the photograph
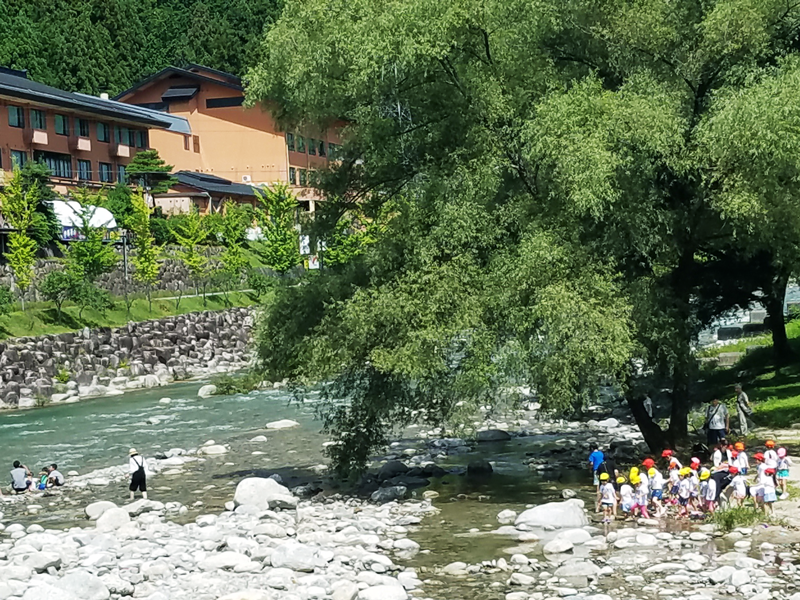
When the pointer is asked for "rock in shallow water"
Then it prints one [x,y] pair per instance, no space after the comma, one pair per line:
[207,391]
[282,424]
[568,514]
[389,494]
[263,493]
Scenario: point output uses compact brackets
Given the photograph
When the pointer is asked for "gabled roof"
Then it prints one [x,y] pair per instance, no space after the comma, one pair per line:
[175,123]
[229,81]
[213,184]
[15,86]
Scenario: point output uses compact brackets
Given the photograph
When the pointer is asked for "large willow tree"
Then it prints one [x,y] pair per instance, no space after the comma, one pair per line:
[575,185]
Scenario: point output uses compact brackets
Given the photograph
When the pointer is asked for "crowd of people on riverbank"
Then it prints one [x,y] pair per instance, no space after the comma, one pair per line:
[665,486]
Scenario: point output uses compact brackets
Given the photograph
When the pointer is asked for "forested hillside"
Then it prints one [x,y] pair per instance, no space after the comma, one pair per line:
[96,46]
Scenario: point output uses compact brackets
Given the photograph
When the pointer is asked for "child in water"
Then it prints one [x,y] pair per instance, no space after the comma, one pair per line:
[625,496]
[608,497]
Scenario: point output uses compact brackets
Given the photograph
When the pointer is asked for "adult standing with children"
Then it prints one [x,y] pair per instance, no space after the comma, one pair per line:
[718,422]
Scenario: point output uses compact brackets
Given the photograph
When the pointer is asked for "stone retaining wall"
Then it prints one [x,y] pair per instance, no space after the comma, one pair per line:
[107,362]
[172,276]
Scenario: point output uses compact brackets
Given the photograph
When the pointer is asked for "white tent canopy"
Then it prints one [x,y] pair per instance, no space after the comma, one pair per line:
[70,214]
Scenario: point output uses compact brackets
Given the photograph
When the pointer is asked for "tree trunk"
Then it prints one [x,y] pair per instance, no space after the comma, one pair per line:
[178,301]
[774,304]
[149,299]
[654,436]
[681,402]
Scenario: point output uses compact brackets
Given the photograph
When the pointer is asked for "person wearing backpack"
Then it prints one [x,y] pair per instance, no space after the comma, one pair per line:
[718,422]
[138,468]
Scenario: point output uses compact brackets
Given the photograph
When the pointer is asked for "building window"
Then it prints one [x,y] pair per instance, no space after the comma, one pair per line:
[60,165]
[196,143]
[103,132]
[122,177]
[141,139]
[16,116]
[38,119]
[290,141]
[312,146]
[333,150]
[303,177]
[82,128]
[292,175]
[18,158]
[301,144]
[122,136]
[321,148]
[106,172]
[84,170]
[186,142]
[62,125]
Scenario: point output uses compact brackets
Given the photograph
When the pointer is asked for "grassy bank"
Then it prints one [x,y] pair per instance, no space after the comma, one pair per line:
[41,318]
[775,392]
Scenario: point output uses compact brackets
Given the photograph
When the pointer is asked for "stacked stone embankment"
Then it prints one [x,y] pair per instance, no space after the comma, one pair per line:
[107,362]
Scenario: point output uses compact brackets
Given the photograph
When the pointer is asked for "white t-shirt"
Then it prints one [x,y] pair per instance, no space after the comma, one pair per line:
[685,488]
[657,481]
[135,462]
[741,460]
[766,481]
[56,476]
[674,477]
[771,459]
[717,457]
[784,463]
[608,493]
[711,490]
[626,494]
[739,486]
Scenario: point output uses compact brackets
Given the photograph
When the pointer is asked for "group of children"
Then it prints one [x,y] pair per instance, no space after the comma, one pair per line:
[694,489]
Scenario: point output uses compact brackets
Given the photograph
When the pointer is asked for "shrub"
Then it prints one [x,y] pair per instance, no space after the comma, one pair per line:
[259,283]
[730,518]
[241,383]
[63,375]
[6,300]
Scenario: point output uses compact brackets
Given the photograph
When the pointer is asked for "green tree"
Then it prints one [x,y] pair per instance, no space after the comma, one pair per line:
[18,206]
[190,234]
[46,227]
[145,261]
[150,172]
[279,247]
[568,175]
[58,287]
[6,300]
[234,225]
[119,200]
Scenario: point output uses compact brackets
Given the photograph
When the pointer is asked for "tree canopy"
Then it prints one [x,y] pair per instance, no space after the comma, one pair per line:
[569,178]
[95,46]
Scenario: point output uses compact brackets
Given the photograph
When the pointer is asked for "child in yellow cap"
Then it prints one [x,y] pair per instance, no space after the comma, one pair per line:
[608,497]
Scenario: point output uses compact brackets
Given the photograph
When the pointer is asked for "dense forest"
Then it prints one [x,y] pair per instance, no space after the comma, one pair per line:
[95,46]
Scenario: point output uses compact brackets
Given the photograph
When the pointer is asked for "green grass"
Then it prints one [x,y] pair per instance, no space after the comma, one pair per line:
[740,516]
[41,318]
[774,392]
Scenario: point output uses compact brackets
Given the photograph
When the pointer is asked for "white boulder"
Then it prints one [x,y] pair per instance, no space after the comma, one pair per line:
[282,424]
[95,510]
[263,493]
[567,514]
[113,519]
[207,391]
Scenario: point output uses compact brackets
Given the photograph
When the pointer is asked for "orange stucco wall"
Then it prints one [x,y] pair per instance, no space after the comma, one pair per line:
[14,138]
[235,142]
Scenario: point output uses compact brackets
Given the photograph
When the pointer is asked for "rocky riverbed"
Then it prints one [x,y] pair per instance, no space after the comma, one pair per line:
[481,516]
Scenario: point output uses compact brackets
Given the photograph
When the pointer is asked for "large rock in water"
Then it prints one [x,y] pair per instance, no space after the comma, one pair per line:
[282,424]
[568,514]
[263,493]
[493,435]
[389,494]
[113,519]
[207,391]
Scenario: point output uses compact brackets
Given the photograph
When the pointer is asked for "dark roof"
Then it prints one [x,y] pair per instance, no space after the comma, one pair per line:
[213,184]
[229,76]
[180,92]
[15,86]
[233,82]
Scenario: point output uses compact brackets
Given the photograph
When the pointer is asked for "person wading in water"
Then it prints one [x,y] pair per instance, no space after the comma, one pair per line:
[138,466]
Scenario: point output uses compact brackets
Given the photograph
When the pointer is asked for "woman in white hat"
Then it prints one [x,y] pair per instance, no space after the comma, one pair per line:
[138,467]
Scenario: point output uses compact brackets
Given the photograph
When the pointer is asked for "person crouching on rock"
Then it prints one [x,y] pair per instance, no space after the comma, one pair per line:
[138,467]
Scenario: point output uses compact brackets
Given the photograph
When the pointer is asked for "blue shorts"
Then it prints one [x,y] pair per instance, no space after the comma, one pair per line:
[770,496]
[657,494]
[743,471]
[607,504]
[683,501]
[783,474]
[674,490]
[626,507]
